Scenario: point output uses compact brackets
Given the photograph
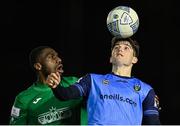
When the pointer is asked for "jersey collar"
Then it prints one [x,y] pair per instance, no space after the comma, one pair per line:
[41,86]
[125,77]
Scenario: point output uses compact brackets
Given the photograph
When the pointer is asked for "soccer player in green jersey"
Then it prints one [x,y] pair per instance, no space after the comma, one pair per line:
[37,105]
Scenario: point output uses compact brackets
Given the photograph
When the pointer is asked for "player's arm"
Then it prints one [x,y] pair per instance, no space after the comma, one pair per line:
[79,89]
[18,113]
[151,109]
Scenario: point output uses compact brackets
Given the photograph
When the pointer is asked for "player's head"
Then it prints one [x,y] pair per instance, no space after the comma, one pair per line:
[44,59]
[124,51]
[133,43]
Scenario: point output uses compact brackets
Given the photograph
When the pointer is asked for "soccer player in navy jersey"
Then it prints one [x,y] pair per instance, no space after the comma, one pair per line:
[116,98]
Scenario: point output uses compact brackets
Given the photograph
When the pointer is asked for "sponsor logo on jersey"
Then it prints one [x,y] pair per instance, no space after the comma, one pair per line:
[106,82]
[15,112]
[118,97]
[137,87]
[54,115]
[37,100]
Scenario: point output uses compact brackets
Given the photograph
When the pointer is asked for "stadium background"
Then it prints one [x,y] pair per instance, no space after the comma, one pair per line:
[77,29]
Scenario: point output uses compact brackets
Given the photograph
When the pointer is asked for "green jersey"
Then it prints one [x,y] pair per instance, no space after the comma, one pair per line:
[37,105]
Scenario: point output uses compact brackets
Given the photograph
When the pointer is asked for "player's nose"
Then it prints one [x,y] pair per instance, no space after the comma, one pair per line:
[59,60]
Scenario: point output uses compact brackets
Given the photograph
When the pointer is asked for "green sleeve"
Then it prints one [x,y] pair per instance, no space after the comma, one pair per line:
[18,113]
[83,116]
[67,81]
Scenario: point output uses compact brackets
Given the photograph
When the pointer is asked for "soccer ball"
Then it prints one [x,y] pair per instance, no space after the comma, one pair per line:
[122,21]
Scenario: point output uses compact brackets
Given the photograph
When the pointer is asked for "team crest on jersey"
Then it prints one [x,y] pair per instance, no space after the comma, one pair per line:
[106,82]
[137,87]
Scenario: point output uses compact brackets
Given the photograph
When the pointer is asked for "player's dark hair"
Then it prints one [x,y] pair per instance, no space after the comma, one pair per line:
[134,44]
[35,54]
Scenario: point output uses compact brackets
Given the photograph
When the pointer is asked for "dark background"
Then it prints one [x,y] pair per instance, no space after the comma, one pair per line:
[77,30]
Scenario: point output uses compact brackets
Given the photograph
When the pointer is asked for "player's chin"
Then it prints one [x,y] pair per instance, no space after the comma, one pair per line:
[60,71]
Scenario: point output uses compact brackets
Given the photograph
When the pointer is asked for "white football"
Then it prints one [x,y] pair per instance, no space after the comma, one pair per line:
[122,21]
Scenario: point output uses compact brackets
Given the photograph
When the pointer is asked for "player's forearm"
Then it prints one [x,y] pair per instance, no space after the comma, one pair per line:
[66,93]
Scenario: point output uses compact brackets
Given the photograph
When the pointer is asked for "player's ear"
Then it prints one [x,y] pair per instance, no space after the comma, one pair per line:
[134,60]
[110,60]
[37,66]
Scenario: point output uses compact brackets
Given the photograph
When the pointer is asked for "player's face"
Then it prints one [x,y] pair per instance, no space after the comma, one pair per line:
[50,62]
[123,54]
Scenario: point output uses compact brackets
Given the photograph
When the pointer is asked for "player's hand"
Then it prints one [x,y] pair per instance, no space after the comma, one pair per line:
[53,80]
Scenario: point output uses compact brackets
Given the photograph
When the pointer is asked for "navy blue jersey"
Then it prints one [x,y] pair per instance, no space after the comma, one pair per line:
[113,99]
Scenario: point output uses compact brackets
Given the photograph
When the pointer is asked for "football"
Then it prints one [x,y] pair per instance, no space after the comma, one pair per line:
[122,21]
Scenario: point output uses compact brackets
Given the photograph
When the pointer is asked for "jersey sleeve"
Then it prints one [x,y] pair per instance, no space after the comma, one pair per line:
[84,85]
[151,109]
[79,89]
[18,113]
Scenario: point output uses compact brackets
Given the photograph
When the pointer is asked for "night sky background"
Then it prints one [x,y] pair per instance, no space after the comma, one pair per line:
[77,30]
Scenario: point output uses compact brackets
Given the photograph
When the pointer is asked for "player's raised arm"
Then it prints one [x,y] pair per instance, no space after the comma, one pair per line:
[80,88]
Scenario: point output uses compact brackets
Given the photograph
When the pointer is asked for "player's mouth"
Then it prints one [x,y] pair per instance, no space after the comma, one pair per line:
[119,54]
[59,69]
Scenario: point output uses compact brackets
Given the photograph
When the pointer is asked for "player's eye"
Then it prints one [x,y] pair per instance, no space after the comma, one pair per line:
[117,47]
[126,48]
[51,57]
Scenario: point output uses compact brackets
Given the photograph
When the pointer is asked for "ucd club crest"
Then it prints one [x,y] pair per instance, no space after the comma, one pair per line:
[137,87]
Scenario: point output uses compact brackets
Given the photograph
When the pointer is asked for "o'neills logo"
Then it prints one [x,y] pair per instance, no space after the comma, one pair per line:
[54,115]
[118,97]
[106,82]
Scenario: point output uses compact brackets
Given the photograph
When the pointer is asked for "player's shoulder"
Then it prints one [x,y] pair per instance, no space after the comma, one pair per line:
[68,80]
[26,94]
[143,84]
[104,76]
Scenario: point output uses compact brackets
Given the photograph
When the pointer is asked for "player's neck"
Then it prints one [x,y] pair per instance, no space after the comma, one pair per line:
[122,71]
[41,78]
